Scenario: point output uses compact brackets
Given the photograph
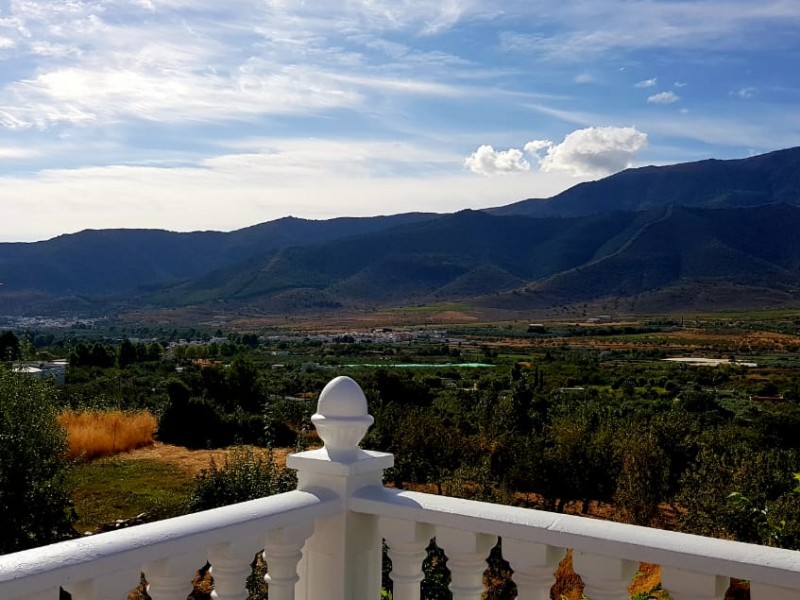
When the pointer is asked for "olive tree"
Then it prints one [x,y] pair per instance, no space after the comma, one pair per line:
[35,508]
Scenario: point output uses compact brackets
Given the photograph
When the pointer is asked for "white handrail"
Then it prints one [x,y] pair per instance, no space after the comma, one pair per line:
[32,571]
[775,566]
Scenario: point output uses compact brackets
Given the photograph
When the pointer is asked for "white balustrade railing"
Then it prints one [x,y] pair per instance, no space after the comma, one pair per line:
[324,541]
[169,552]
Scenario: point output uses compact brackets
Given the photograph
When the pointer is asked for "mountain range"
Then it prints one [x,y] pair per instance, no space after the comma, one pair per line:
[702,235]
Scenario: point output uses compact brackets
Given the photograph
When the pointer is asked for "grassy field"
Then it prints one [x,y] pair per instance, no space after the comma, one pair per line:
[113,488]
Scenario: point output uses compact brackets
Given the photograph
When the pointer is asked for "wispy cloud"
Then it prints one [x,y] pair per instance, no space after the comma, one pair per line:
[7,152]
[745,93]
[647,83]
[634,26]
[311,178]
[584,78]
[140,97]
[663,98]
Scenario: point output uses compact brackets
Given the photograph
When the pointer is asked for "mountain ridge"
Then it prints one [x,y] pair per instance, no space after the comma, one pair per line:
[641,233]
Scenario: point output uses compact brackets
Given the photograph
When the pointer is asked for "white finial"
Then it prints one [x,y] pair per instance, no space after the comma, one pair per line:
[342,419]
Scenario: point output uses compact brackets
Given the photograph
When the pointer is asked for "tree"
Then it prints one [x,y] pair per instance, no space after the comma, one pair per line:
[243,385]
[9,346]
[34,503]
[644,475]
[127,354]
[728,463]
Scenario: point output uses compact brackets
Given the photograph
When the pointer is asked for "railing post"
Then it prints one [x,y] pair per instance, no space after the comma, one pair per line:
[342,558]
[466,558]
[407,542]
[282,552]
[171,578]
[534,567]
[606,577]
[230,566]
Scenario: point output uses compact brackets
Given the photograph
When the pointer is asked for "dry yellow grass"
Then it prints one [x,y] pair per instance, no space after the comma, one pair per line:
[92,434]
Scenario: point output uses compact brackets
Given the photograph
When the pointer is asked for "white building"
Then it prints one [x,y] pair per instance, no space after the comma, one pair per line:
[57,369]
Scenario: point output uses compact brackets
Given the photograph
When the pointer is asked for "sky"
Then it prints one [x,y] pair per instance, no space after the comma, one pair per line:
[219,114]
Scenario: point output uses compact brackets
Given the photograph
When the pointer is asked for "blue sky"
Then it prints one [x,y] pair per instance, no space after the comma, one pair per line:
[202,114]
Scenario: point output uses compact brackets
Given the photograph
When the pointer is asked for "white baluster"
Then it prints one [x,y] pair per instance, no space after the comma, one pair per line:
[110,586]
[282,553]
[534,567]
[230,566]
[171,578]
[466,558]
[605,577]
[690,585]
[407,542]
[765,591]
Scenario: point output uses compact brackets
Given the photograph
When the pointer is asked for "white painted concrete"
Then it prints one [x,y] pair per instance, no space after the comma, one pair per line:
[689,552]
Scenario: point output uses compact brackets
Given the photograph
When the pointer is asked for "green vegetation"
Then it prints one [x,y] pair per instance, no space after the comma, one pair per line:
[244,476]
[112,489]
[585,419]
[34,503]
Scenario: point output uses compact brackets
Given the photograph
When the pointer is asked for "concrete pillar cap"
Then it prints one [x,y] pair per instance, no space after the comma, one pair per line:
[342,419]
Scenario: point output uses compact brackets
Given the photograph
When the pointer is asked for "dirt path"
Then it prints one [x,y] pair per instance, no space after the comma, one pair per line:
[193,461]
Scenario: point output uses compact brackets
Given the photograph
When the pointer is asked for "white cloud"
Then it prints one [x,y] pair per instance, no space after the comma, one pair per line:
[487,161]
[536,146]
[590,152]
[428,17]
[102,95]
[268,179]
[100,62]
[10,152]
[663,98]
[584,78]
[631,25]
[170,82]
[569,116]
[647,83]
[745,93]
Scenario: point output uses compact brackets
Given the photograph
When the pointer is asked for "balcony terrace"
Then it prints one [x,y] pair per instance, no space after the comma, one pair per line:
[323,541]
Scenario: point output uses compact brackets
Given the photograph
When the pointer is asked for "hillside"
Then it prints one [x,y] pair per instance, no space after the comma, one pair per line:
[551,261]
[764,179]
[704,234]
[115,261]
[697,258]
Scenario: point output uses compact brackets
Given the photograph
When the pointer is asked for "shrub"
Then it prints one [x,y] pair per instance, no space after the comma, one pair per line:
[34,504]
[92,434]
[192,422]
[244,476]
[204,423]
